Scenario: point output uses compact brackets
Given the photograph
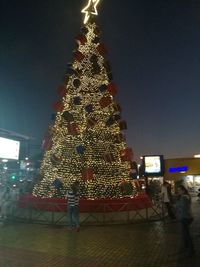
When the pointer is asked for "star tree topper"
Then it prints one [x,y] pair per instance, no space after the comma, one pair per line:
[90,9]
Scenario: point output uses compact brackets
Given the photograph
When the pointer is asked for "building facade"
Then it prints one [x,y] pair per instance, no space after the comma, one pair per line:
[186,170]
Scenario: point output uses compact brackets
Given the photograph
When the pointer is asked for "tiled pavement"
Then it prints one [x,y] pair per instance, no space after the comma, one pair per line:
[136,245]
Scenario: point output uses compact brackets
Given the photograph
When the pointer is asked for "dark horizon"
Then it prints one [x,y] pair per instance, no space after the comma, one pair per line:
[153,49]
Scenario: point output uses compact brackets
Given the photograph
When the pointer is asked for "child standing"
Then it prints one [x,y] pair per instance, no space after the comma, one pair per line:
[73,206]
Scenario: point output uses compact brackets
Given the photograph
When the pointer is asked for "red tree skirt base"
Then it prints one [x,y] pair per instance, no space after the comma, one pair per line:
[86,205]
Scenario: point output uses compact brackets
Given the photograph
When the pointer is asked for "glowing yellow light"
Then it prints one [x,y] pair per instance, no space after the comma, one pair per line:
[91,8]
[97,139]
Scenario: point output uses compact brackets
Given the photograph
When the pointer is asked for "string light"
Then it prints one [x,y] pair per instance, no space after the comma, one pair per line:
[81,140]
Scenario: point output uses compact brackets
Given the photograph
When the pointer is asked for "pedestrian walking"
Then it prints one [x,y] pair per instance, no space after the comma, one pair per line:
[167,199]
[73,206]
[184,213]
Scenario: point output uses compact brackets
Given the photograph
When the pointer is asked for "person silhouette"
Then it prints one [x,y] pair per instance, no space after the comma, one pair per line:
[167,198]
[73,206]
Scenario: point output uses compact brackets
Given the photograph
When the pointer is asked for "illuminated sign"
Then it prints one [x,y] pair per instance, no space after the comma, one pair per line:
[179,169]
[9,149]
[153,165]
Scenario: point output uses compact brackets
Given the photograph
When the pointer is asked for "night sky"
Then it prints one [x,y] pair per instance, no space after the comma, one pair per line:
[154,50]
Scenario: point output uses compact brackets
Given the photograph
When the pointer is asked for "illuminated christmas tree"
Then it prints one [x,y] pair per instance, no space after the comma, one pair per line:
[86,141]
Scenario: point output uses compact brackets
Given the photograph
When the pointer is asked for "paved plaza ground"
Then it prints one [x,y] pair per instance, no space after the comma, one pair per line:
[155,244]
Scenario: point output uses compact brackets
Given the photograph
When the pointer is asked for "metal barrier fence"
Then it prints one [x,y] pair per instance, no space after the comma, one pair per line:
[107,215]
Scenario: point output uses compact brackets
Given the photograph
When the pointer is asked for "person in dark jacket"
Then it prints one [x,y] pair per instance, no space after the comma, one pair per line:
[184,214]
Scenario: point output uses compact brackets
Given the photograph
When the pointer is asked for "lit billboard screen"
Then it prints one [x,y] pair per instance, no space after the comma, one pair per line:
[153,165]
[9,149]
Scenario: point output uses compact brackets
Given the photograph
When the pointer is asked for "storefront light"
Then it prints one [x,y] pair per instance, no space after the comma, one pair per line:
[190,178]
[197,156]
[180,169]
[197,179]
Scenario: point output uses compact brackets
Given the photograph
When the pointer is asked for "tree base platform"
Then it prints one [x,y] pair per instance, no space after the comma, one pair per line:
[139,202]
